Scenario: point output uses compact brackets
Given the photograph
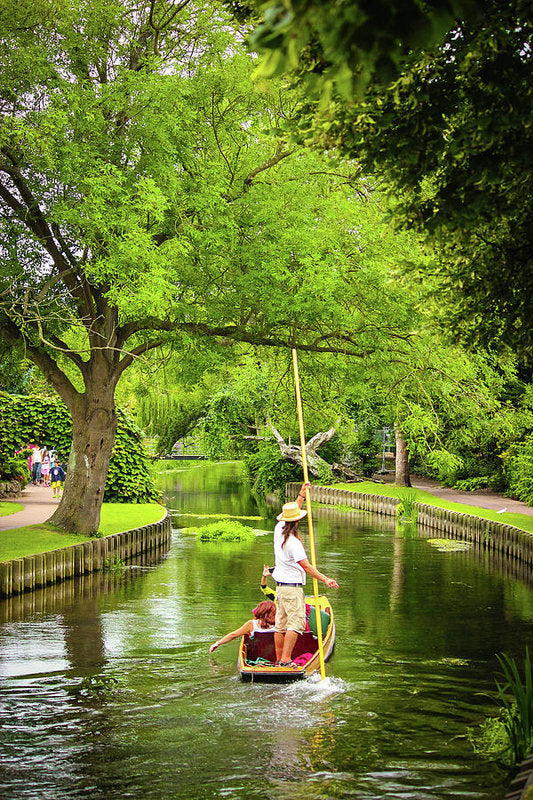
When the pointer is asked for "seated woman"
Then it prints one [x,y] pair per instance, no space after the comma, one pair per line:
[262,622]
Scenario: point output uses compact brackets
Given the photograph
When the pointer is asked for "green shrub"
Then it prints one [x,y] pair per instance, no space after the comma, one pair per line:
[269,470]
[472,484]
[519,470]
[225,531]
[15,468]
[325,474]
[26,420]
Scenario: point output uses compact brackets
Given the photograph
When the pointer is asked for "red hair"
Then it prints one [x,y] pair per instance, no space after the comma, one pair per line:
[265,613]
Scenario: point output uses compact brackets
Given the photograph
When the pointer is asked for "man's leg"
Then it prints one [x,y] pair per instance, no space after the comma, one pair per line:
[291,637]
[279,638]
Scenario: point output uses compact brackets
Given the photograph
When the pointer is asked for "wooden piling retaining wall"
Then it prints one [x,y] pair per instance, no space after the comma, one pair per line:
[33,572]
[506,547]
[494,537]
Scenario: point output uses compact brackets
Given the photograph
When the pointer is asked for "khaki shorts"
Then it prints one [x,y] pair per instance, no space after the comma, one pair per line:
[290,609]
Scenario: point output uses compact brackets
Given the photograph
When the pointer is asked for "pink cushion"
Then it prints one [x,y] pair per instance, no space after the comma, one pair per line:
[303,659]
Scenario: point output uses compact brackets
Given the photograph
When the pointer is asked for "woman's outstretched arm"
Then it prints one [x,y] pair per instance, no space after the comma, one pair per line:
[246,628]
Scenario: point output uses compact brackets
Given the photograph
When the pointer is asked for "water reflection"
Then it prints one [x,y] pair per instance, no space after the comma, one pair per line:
[107,689]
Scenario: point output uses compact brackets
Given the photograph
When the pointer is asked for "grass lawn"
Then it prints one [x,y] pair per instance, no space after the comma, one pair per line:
[116,517]
[9,508]
[522,521]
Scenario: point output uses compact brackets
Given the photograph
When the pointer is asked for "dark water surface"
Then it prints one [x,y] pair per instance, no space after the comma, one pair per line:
[107,689]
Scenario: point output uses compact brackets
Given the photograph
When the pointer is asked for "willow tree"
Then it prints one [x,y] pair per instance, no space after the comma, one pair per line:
[143,204]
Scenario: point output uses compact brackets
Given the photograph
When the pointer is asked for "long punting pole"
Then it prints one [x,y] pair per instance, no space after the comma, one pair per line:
[309,515]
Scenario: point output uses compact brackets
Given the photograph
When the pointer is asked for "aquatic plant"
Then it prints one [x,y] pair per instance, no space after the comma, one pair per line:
[406,508]
[508,738]
[225,531]
[490,741]
[449,545]
[115,564]
[96,689]
[518,720]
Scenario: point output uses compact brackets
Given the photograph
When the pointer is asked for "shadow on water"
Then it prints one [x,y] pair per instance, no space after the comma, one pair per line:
[107,689]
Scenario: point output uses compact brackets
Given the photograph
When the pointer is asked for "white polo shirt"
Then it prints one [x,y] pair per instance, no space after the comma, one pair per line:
[287,569]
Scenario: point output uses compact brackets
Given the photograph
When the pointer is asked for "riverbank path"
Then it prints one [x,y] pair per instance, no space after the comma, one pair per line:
[483,498]
[39,505]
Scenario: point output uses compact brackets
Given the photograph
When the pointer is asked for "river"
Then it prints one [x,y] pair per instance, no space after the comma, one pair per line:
[107,689]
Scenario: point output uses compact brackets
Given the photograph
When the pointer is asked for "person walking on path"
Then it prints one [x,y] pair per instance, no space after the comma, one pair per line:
[57,476]
[36,460]
[289,573]
[45,468]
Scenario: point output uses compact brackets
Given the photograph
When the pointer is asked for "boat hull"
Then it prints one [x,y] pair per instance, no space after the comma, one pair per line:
[262,646]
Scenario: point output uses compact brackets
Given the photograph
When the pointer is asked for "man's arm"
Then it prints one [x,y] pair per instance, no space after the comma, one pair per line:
[307,567]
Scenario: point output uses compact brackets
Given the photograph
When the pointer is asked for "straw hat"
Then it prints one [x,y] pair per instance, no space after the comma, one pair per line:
[290,512]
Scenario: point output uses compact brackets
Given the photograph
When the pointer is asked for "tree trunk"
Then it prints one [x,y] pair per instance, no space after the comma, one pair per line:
[94,424]
[402,460]
[292,452]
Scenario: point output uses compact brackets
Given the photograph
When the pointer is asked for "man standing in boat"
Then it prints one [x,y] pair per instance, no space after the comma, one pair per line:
[290,575]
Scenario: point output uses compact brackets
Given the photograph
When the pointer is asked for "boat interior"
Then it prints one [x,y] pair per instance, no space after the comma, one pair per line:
[262,645]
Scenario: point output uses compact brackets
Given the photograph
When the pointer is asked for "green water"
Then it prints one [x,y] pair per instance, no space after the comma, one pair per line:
[107,689]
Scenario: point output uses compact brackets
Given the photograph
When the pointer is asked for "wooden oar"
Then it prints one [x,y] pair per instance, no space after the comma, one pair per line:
[309,515]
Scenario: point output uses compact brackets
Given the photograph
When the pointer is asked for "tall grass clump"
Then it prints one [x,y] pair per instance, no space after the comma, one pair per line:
[508,738]
[406,508]
[225,530]
[518,707]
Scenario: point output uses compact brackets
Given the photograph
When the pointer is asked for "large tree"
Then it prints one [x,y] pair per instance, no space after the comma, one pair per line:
[142,204]
[446,121]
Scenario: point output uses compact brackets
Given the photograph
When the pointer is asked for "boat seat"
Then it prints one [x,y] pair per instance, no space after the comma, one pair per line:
[325,619]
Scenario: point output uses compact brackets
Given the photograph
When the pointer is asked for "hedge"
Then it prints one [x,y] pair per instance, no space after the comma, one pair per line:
[28,420]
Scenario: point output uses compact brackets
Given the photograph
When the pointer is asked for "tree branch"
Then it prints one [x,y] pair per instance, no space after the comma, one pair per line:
[279,156]
[46,364]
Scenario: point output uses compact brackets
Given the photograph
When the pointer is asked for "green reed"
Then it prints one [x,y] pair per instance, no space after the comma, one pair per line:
[515,697]
[406,508]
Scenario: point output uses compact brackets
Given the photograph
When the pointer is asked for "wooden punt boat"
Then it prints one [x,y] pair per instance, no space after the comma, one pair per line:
[262,647]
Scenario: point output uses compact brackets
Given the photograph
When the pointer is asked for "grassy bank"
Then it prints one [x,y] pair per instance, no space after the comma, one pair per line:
[116,517]
[9,508]
[522,521]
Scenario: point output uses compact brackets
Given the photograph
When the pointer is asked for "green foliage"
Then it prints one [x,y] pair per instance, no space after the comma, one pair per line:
[515,696]
[225,531]
[436,133]
[342,47]
[15,469]
[223,425]
[115,564]
[169,416]
[490,740]
[519,470]
[131,476]
[269,470]
[325,474]
[406,509]
[28,420]
[472,484]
